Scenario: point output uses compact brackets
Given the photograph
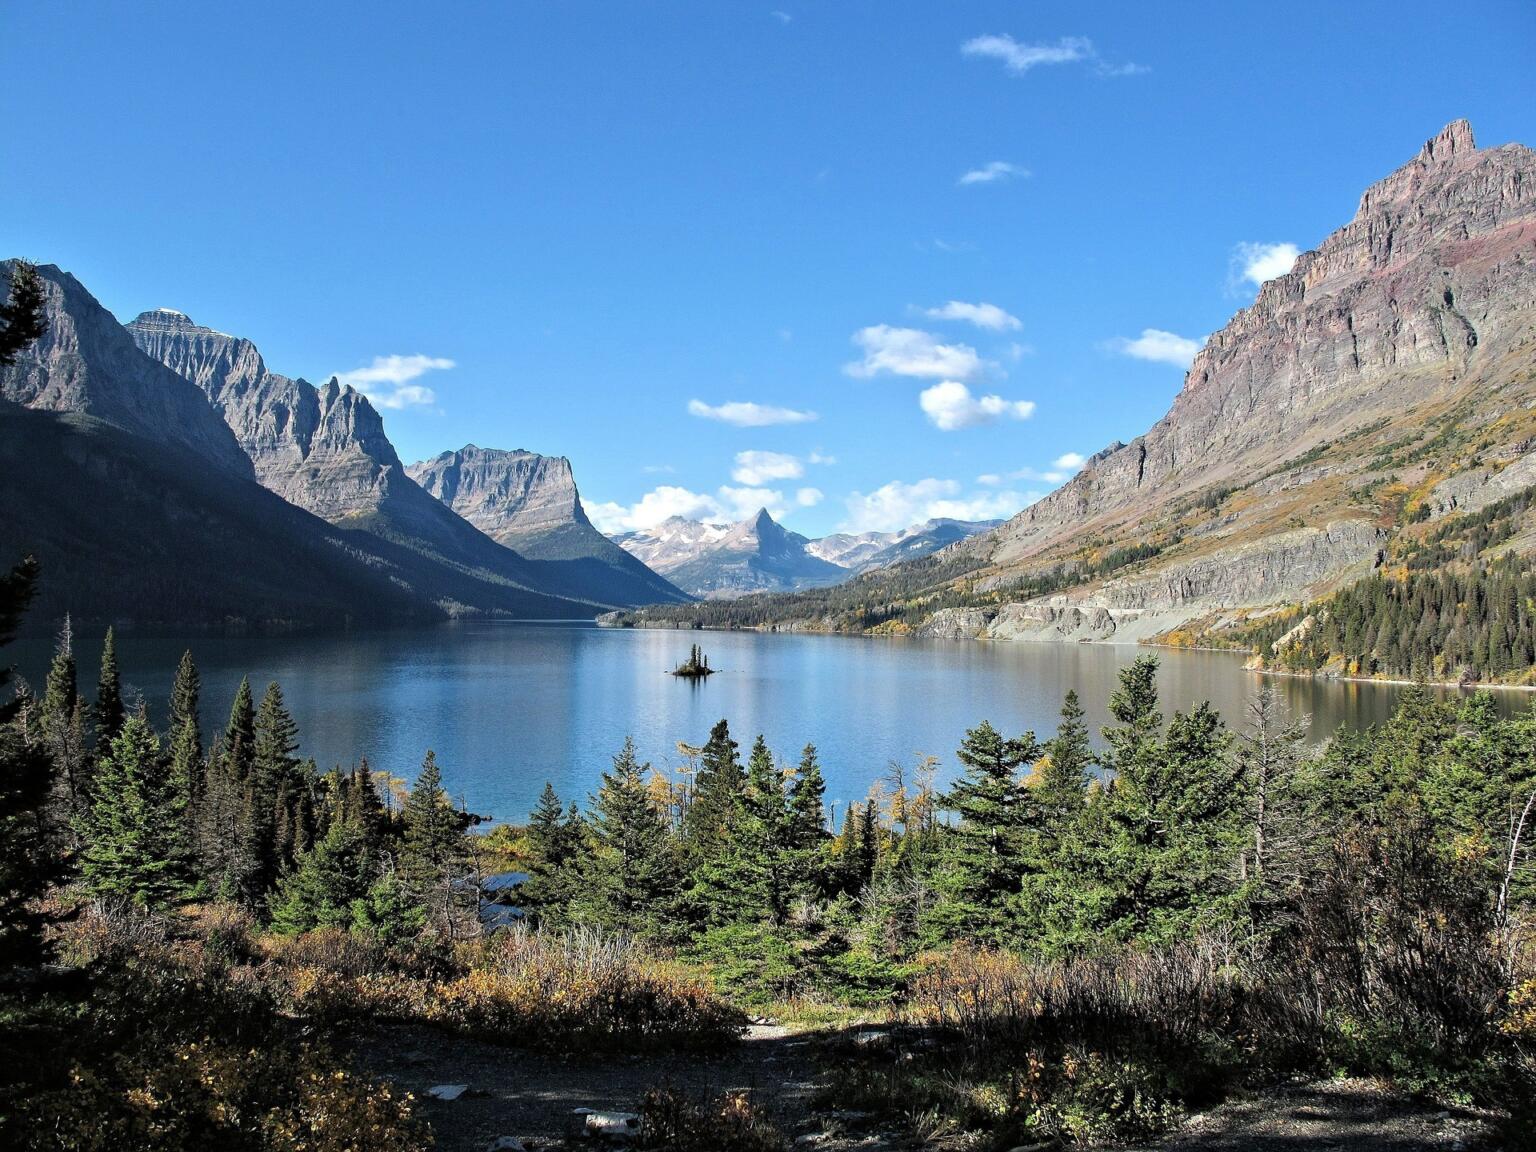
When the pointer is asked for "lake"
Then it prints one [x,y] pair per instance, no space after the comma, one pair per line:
[508,706]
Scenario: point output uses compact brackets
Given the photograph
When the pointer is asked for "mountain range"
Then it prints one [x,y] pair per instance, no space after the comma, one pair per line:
[758,554]
[125,437]
[1381,385]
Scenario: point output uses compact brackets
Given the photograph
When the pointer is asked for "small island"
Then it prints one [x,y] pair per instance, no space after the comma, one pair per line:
[696,667]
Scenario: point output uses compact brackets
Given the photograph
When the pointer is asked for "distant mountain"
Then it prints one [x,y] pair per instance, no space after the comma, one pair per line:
[867,551]
[530,503]
[720,561]
[325,450]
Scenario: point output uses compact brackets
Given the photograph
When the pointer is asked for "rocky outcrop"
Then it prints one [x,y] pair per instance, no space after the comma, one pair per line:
[1393,309]
[529,502]
[324,449]
[86,364]
[510,496]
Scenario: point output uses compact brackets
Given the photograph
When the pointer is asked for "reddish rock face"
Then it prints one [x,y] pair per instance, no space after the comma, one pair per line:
[1422,297]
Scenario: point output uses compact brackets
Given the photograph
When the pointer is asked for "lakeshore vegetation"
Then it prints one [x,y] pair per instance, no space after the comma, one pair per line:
[1072,943]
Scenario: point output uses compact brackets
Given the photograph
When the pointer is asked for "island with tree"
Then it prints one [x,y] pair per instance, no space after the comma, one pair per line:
[696,667]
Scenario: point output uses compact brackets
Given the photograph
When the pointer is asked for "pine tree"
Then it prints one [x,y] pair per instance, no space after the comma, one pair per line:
[632,873]
[556,855]
[229,837]
[1062,780]
[988,850]
[282,814]
[133,846]
[186,737]
[433,861]
[806,826]
[109,712]
[328,879]
[63,733]
[387,913]
[23,318]
[716,802]
[28,863]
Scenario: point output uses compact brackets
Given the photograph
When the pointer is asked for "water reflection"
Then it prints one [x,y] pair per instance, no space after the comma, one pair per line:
[508,706]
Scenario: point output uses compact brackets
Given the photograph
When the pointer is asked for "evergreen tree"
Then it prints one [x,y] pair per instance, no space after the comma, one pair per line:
[132,839]
[1168,826]
[229,838]
[1061,782]
[63,732]
[321,890]
[283,813]
[23,319]
[556,842]
[433,862]
[186,736]
[988,848]
[387,913]
[632,873]
[716,801]
[28,865]
[109,712]
[806,826]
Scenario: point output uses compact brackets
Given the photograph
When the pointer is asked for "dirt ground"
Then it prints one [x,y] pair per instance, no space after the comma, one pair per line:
[531,1096]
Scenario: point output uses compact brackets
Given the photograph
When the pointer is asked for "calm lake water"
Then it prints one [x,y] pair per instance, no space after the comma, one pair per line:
[508,706]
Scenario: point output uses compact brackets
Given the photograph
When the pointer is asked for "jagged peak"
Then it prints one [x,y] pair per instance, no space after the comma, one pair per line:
[1445,149]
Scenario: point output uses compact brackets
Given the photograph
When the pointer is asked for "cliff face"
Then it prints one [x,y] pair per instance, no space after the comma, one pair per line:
[323,449]
[529,502]
[507,495]
[86,364]
[1433,277]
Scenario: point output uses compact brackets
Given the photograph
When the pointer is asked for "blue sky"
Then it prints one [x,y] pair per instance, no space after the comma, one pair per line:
[975,241]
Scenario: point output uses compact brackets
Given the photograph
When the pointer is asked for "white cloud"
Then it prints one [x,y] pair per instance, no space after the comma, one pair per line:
[990,479]
[1061,470]
[659,504]
[988,316]
[745,414]
[781,16]
[387,381]
[896,505]
[1160,347]
[754,467]
[655,506]
[992,171]
[951,406]
[1019,57]
[820,458]
[1069,461]
[739,503]
[809,497]
[1257,263]
[911,352]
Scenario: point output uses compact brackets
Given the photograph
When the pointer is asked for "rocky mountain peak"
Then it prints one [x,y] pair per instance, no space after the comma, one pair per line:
[1454,146]
[85,363]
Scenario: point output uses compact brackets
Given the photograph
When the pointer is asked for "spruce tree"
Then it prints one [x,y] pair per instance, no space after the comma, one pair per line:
[29,865]
[229,838]
[716,802]
[186,734]
[805,829]
[133,834]
[632,873]
[63,733]
[988,849]
[1062,780]
[555,842]
[23,318]
[109,712]
[323,886]
[433,860]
